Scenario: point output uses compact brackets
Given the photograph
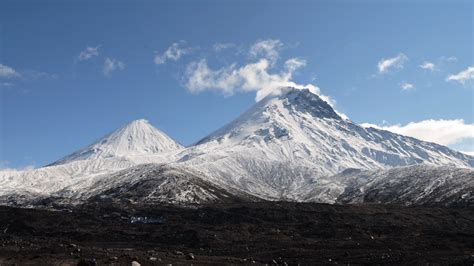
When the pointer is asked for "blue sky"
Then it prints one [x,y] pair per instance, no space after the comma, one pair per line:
[72,71]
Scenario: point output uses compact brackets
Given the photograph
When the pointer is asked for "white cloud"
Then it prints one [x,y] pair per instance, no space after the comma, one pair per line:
[407,86]
[249,77]
[428,66]
[174,52]
[254,76]
[268,49]
[258,76]
[438,64]
[111,65]
[88,53]
[8,72]
[444,132]
[218,47]
[463,76]
[397,62]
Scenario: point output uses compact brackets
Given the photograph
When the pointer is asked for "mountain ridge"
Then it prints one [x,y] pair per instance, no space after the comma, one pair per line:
[290,146]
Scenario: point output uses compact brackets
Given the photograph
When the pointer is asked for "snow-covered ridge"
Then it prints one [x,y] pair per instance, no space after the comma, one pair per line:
[417,184]
[290,146]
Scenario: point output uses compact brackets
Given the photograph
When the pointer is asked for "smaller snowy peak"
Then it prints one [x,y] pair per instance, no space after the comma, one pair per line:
[137,138]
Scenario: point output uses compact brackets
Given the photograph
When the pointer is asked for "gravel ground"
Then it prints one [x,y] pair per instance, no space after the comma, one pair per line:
[248,233]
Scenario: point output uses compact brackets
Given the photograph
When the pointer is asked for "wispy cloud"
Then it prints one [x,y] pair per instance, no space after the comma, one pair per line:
[218,47]
[428,66]
[8,72]
[463,76]
[111,65]
[293,64]
[11,78]
[268,49]
[6,84]
[88,53]
[174,53]
[444,132]
[407,86]
[449,58]
[34,75]
[385,65]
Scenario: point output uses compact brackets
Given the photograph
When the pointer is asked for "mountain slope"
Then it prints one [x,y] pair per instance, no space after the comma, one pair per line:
[139,184]
[137,138]
[287,141]
[156,184]
[418,184]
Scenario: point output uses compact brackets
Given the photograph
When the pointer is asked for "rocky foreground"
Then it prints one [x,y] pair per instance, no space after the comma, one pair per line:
[255,233]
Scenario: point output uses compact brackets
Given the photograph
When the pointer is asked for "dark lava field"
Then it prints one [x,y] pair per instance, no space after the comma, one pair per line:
[270,233]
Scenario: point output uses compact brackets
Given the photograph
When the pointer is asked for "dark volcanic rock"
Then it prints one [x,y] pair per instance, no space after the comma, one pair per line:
[266,232]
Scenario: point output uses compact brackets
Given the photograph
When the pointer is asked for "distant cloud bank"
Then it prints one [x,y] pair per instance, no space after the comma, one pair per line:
[444,132]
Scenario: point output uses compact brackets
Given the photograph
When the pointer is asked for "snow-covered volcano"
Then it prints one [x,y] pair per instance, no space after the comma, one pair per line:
[290,146]
[135,143]
[137,138]
[287,141]
[298,126]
